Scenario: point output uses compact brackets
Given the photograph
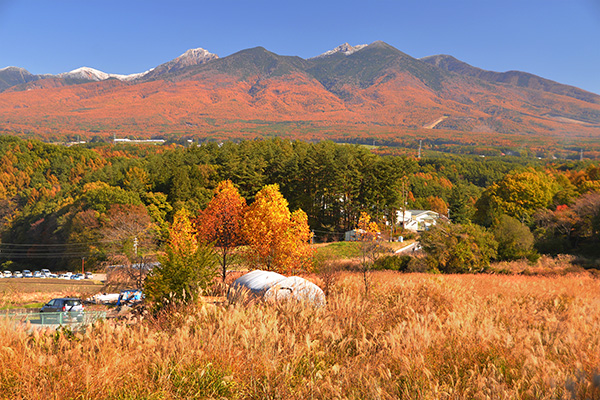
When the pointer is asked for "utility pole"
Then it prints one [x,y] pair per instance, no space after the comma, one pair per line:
[83,265]
[404,195]
[135,246]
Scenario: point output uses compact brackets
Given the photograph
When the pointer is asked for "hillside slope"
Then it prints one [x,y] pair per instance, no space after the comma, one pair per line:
[372,92]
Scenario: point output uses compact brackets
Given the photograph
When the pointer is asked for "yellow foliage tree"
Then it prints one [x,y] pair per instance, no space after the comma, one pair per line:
[278,240]
[182,235]
[370,245]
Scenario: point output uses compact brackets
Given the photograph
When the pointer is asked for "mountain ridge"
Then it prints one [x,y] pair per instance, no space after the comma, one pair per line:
[519,78]
[372,90]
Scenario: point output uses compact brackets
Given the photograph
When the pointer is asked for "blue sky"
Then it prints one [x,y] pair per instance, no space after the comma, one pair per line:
[555,39]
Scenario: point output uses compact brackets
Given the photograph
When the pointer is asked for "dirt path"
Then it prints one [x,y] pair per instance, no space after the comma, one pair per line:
[434,123]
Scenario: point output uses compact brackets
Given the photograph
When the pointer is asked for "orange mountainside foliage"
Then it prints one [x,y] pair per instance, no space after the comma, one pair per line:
[396,108]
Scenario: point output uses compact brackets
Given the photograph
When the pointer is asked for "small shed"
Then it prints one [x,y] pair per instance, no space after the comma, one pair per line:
[354,235]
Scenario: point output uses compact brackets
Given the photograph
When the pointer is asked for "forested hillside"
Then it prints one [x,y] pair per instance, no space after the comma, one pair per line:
[59,204]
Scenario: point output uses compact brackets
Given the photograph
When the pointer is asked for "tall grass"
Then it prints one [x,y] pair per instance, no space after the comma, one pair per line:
[415,337]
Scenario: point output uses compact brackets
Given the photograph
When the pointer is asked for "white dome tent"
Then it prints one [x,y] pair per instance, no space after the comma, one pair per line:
[272,286]
[296,288]
[255,283]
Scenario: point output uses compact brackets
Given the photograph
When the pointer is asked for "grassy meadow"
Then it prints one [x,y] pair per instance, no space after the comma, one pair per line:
[416,336]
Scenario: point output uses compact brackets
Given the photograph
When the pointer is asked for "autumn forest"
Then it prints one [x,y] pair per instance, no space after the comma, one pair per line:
[61,204]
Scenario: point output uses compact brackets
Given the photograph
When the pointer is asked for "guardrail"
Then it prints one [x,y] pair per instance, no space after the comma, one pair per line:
[55,319]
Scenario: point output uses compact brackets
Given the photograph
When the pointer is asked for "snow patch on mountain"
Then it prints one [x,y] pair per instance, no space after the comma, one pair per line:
[91,74]
[85,73]
[195,56]
[346,49]
[10,68]
[190,57]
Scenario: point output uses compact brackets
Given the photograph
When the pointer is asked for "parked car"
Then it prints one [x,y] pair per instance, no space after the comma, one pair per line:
[17,274]
[77,277]
[64,276]
[46,272]
[89,275]
[71,307]
[38,274]
[27,274]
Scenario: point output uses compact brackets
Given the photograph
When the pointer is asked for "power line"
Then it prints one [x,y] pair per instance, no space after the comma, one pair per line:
[57,244]
[44,256]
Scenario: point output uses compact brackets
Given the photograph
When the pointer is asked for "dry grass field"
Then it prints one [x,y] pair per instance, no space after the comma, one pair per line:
[23,291]
[416,336]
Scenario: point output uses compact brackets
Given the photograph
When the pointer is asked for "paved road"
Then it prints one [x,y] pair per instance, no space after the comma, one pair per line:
[411,248]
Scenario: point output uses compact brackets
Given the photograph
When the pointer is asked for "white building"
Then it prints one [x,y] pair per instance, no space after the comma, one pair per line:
[417,220]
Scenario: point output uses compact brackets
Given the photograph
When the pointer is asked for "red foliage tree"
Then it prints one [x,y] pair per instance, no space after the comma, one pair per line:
[221,223]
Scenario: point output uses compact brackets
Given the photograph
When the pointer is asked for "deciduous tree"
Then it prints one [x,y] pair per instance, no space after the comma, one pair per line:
[130,237]
[370,246]
[518,194]
[221,223]
[278,240]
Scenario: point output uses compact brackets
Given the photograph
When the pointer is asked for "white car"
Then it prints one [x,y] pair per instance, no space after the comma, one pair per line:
[46,272]
[17,274]
[64,276]
[7,274]
[27,274]
[38,274]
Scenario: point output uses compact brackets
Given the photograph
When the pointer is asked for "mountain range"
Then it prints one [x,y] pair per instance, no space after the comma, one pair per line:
[351,93]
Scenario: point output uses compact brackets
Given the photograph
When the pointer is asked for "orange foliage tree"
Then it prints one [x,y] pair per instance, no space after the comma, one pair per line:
[278,239]
[221,223]
[370,245]
[437,204]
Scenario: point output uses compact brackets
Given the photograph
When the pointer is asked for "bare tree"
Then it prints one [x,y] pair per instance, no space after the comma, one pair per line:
[131,239]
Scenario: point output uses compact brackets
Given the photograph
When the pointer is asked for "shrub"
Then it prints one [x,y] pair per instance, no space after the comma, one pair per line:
[514,238]
[393,263]
[455,248]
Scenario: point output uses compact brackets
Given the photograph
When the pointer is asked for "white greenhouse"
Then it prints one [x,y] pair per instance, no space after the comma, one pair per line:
[272,286]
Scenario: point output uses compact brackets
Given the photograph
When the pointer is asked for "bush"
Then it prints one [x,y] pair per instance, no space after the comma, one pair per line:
[455,248]
[515,240]
[393,263]
[180,278]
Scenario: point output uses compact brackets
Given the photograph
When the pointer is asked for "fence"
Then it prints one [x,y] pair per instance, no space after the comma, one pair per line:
[55,319]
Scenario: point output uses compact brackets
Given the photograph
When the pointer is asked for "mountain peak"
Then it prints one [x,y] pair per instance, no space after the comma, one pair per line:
[85,73]
[195,56]
[13,69]
[190,58]
[346,49]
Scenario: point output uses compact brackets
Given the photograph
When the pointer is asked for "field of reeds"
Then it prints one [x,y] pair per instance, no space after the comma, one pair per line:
[415,336]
